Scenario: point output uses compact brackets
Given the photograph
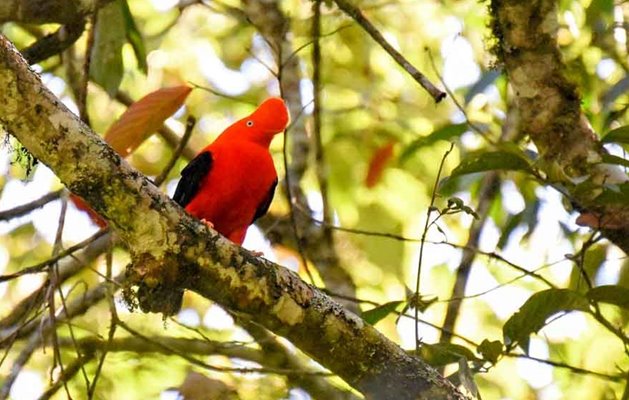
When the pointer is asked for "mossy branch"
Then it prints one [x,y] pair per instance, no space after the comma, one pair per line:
[525,34]
[182,253]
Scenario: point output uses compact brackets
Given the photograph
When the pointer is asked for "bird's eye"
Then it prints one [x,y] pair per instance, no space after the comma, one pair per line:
[249,123]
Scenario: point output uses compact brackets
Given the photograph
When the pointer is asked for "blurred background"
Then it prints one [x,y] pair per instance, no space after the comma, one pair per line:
[377,156]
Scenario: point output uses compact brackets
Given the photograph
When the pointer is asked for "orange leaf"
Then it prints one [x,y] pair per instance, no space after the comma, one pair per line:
[596,221]
[378,161]
[144,117]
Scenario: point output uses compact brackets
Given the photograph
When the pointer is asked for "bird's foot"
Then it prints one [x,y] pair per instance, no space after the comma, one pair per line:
[257,253]
[208,223]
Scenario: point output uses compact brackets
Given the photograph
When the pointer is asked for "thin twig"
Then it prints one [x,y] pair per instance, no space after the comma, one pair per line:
[87,61]
[321,169]
[195,361]
[54,43]
[19,363]
[456,102]
[50,295]
[38,268]
[287,180]
[113,323]
[321,35]
[191,121]
[423,241]
[393,236]
[490,186]
[30,206]
[35,299]
[578,370]
[420,78]
[75,366]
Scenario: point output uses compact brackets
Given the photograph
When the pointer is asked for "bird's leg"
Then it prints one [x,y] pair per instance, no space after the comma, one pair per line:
[256,253]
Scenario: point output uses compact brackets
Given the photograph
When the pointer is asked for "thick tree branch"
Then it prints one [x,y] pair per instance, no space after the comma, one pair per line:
[46,11]
[170,248]
[550,112]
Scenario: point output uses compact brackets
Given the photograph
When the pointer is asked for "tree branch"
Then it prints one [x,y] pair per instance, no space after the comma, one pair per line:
[550,112]
[357,15]
[46,11]
[173,250]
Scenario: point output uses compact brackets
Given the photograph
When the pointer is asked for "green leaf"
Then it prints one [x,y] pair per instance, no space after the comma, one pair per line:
[618,135]
[106,66]
[490,351]
[538,308]
[594,259]
[134,37]
[612,294]
[376,314]
[614,194]
[599,10]
[446,132]
[489,161]
[439,354]
[513,222]
[611,159]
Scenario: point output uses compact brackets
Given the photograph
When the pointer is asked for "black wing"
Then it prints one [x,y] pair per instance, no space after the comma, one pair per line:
[266,203]
[191,177]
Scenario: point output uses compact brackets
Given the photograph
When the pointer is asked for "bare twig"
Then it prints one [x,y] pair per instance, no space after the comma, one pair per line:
[81,96]
[423,240]
[54,43]
[172,350]
[67,268]
[578,370]
[75,366]
[113,323]
[53,278]
[320,165]
[177,153]
[19,363]
[38,268]
[420,78]
[489,189]
[30,206]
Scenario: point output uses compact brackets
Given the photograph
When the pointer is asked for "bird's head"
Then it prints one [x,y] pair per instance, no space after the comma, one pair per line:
[269,119]
[271,116]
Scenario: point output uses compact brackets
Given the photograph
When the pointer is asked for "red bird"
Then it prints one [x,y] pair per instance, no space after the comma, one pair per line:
[231,182]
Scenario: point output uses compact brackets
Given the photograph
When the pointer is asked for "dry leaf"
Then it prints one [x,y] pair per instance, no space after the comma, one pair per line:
[144,117]
[378,161]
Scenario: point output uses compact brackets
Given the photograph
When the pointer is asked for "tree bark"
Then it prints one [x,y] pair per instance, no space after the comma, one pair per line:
[47,11]
[174,250]
[550,110]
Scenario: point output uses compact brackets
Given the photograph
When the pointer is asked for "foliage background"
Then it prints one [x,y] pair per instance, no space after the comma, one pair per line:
[369,105]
